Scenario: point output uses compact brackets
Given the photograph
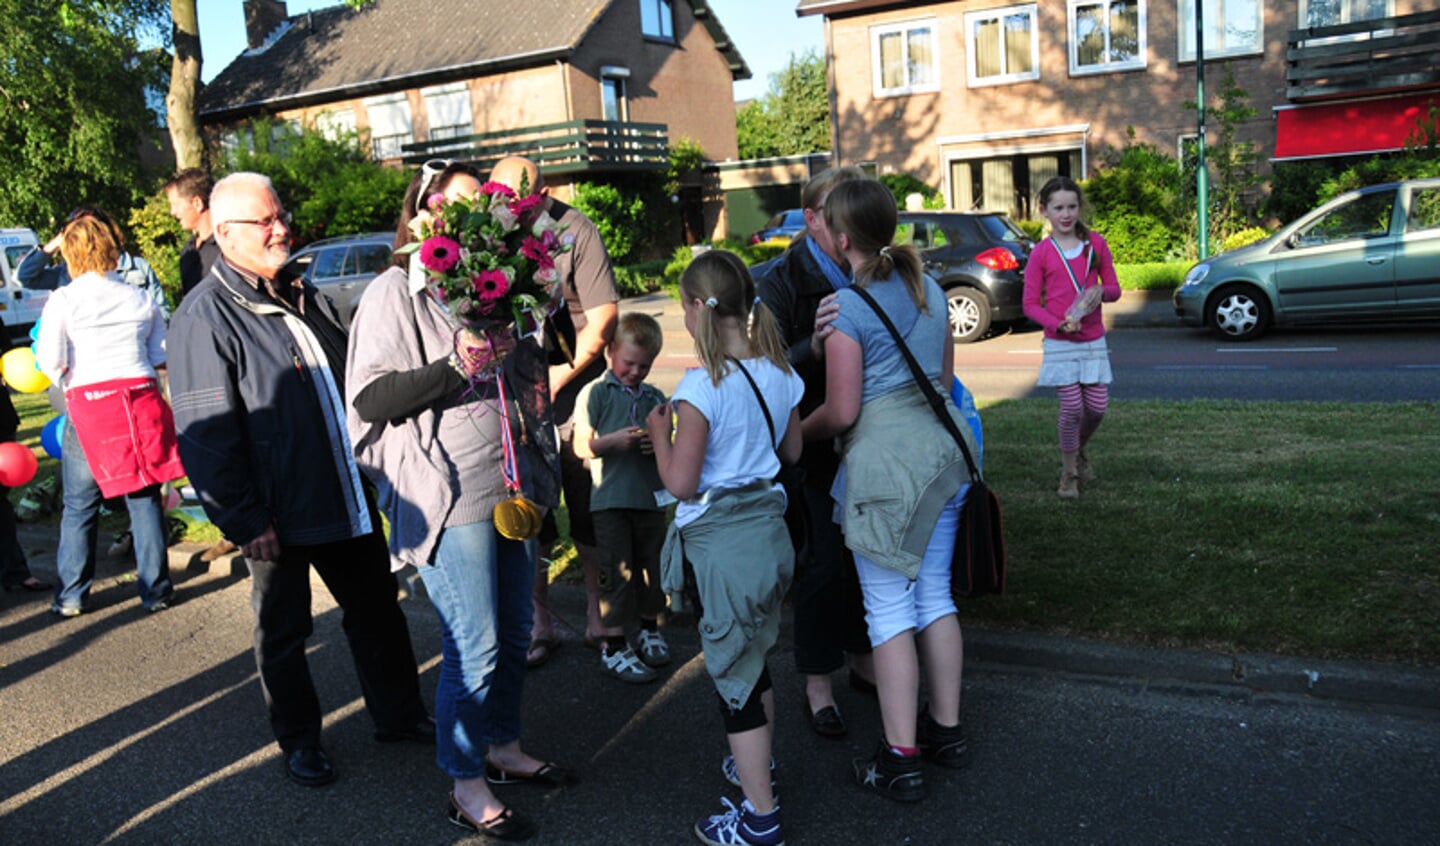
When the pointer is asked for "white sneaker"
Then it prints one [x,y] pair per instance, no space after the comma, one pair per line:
[652,648]
[626,666]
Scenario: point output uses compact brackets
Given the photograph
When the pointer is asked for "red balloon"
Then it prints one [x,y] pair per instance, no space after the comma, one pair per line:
[17,464]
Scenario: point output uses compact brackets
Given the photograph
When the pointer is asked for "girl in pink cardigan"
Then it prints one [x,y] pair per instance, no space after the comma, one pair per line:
[1068,276]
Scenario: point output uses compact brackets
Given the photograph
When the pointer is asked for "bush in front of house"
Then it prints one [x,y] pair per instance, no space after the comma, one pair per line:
[632,280]
[620,216]
[1244,237]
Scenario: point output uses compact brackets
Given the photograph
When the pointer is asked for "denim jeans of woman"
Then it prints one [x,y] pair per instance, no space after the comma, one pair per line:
[79,528]
[479,584]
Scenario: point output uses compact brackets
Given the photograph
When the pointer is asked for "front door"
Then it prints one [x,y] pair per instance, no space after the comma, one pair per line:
[1341,261]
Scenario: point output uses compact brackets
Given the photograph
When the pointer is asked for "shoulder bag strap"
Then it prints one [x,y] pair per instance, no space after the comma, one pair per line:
[769,421]
[936,402]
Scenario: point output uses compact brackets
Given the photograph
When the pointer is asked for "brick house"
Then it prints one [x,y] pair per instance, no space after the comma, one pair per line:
[586,87]
[986,99]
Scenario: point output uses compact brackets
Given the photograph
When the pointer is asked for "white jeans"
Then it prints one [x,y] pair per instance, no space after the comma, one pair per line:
[893,603]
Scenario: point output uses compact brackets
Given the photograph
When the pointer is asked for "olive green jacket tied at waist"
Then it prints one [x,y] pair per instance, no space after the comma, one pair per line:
[900,468]
[743,562]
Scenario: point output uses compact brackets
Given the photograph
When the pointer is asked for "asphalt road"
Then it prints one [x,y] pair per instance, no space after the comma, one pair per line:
[126,728]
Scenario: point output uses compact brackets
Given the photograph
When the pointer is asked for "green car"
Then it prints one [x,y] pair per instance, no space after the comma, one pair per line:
[1371,254]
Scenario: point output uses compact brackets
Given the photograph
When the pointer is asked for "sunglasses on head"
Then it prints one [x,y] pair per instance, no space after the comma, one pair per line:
[428,172]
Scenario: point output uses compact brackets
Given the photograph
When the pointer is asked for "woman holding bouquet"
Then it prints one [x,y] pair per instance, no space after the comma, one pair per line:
[450,419]
[1068,276]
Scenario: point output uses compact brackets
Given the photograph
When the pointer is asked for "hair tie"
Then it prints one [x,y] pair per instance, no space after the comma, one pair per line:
[885,251]
[711,302]
[755,302]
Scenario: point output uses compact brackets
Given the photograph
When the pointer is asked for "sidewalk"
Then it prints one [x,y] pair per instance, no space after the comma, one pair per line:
[1383,686]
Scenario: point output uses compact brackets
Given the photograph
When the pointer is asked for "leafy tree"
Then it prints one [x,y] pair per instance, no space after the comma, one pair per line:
[793,117]
[330,186]
[72,106]
[1235,163]
[619,215]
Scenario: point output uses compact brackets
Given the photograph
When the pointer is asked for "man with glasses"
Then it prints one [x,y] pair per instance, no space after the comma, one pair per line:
[257,374]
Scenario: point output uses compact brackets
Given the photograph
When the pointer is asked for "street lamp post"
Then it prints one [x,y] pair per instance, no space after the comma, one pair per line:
[1202,173]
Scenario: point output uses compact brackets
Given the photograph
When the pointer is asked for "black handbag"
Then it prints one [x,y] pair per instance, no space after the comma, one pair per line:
[977,567]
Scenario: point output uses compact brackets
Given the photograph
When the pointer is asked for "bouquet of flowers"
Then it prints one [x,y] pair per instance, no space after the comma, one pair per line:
[490,259]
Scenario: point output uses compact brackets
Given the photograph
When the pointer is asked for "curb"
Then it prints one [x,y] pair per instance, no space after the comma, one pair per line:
[1387,686]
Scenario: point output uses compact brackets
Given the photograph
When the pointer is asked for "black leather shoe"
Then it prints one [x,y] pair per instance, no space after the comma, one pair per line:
[826,722]
[421,731]
[309,766]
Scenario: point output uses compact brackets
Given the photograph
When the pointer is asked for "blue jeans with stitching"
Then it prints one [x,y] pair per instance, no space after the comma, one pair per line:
[79,525]
[479,584]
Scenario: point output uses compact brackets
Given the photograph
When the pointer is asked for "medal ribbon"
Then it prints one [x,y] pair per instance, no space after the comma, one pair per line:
[509,467]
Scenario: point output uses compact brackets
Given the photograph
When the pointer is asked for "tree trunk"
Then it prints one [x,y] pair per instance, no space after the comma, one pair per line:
[184,85]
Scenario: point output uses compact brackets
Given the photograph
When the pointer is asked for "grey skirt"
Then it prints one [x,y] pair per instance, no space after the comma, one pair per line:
[1072,362]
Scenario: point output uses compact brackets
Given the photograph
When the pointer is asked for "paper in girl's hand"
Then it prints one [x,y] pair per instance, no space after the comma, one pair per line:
[1088,301]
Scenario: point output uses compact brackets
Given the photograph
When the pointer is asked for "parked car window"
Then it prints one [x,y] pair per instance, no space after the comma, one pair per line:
[1000,228]
[371,258]
[921,234]
[329,264]
[1367,216]
[1424,210]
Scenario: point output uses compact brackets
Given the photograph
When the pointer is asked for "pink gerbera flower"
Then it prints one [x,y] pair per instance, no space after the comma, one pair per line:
[497,188]
[527,204]
[439,254]
[490,284]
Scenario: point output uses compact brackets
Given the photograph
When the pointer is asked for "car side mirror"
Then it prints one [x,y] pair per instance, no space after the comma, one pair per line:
[1293,241]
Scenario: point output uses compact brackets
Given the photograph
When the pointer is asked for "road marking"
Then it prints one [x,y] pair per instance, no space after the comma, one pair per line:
[1211,367]
[1277,350]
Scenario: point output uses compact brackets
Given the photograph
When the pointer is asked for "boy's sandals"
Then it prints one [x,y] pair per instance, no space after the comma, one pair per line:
[541,648]
[652,648]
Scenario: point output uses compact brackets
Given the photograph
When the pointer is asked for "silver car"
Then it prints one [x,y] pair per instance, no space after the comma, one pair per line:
[341,267]
[1371,254]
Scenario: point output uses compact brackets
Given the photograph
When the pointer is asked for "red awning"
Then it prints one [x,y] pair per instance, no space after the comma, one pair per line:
[1348,129]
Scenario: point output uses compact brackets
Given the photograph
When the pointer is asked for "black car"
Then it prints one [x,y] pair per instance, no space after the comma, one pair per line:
[978,258]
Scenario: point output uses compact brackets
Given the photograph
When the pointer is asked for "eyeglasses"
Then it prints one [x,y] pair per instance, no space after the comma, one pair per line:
[428,172]
[266,223]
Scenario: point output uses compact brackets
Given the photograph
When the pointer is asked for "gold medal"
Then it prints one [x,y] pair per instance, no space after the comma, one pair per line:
[517,518]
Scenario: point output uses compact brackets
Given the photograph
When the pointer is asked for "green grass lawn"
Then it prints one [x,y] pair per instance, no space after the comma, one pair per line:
[1300,528]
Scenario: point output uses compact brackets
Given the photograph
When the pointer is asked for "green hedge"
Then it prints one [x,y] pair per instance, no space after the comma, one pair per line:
[1151,276]
[632,280]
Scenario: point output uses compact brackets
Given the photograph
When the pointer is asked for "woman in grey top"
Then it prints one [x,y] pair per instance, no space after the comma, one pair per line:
[429,436]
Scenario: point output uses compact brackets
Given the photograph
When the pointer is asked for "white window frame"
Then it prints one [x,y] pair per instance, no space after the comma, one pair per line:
[663,12]
[1141,54]
[336,124]
[1185,14]
[387,146]
[971,18]
[905,28]
[444,96]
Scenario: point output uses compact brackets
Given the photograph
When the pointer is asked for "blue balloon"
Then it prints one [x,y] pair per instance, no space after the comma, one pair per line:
[50,436]
[35,331]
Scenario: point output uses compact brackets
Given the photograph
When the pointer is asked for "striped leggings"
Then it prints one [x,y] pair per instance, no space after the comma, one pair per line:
[1082,407]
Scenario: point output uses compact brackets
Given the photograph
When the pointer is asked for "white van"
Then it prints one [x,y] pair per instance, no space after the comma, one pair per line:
[20,307]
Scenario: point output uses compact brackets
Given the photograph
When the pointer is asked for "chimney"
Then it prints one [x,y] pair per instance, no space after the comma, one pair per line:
[261,19]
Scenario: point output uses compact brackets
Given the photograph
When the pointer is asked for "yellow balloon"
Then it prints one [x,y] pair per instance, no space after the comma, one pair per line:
[18,368]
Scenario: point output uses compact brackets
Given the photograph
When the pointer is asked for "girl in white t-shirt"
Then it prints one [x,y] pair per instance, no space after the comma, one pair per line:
[735,421]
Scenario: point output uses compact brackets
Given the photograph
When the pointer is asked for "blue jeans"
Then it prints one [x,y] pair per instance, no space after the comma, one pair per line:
[480,585]
[79,524]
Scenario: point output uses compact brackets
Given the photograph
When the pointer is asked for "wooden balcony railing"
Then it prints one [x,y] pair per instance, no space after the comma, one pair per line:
[1385,54]
[573,146]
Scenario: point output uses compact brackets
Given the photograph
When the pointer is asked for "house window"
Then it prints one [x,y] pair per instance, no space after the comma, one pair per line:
[905,58]
[613,104]
[1106,35]
[1333,12]
[337,125]
[447,108]
[657,20]
[1232,28]
[389,125]
[1009,183]
[1003,45]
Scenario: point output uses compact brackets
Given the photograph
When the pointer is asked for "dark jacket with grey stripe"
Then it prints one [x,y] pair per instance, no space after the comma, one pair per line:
[260,414]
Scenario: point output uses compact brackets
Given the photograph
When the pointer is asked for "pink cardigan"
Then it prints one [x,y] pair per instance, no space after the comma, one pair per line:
[1048,290]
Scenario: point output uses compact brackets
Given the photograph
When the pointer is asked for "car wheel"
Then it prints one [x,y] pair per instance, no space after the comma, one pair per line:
[969,314]
[1238,313]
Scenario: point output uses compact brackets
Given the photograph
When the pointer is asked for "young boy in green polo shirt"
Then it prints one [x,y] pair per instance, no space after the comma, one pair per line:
[629,520]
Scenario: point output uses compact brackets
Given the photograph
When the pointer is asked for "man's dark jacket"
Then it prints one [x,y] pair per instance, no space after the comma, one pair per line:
[259,411]
[792,285]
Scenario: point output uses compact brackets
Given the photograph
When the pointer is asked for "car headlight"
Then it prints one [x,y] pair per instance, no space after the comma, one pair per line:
[1197,274]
